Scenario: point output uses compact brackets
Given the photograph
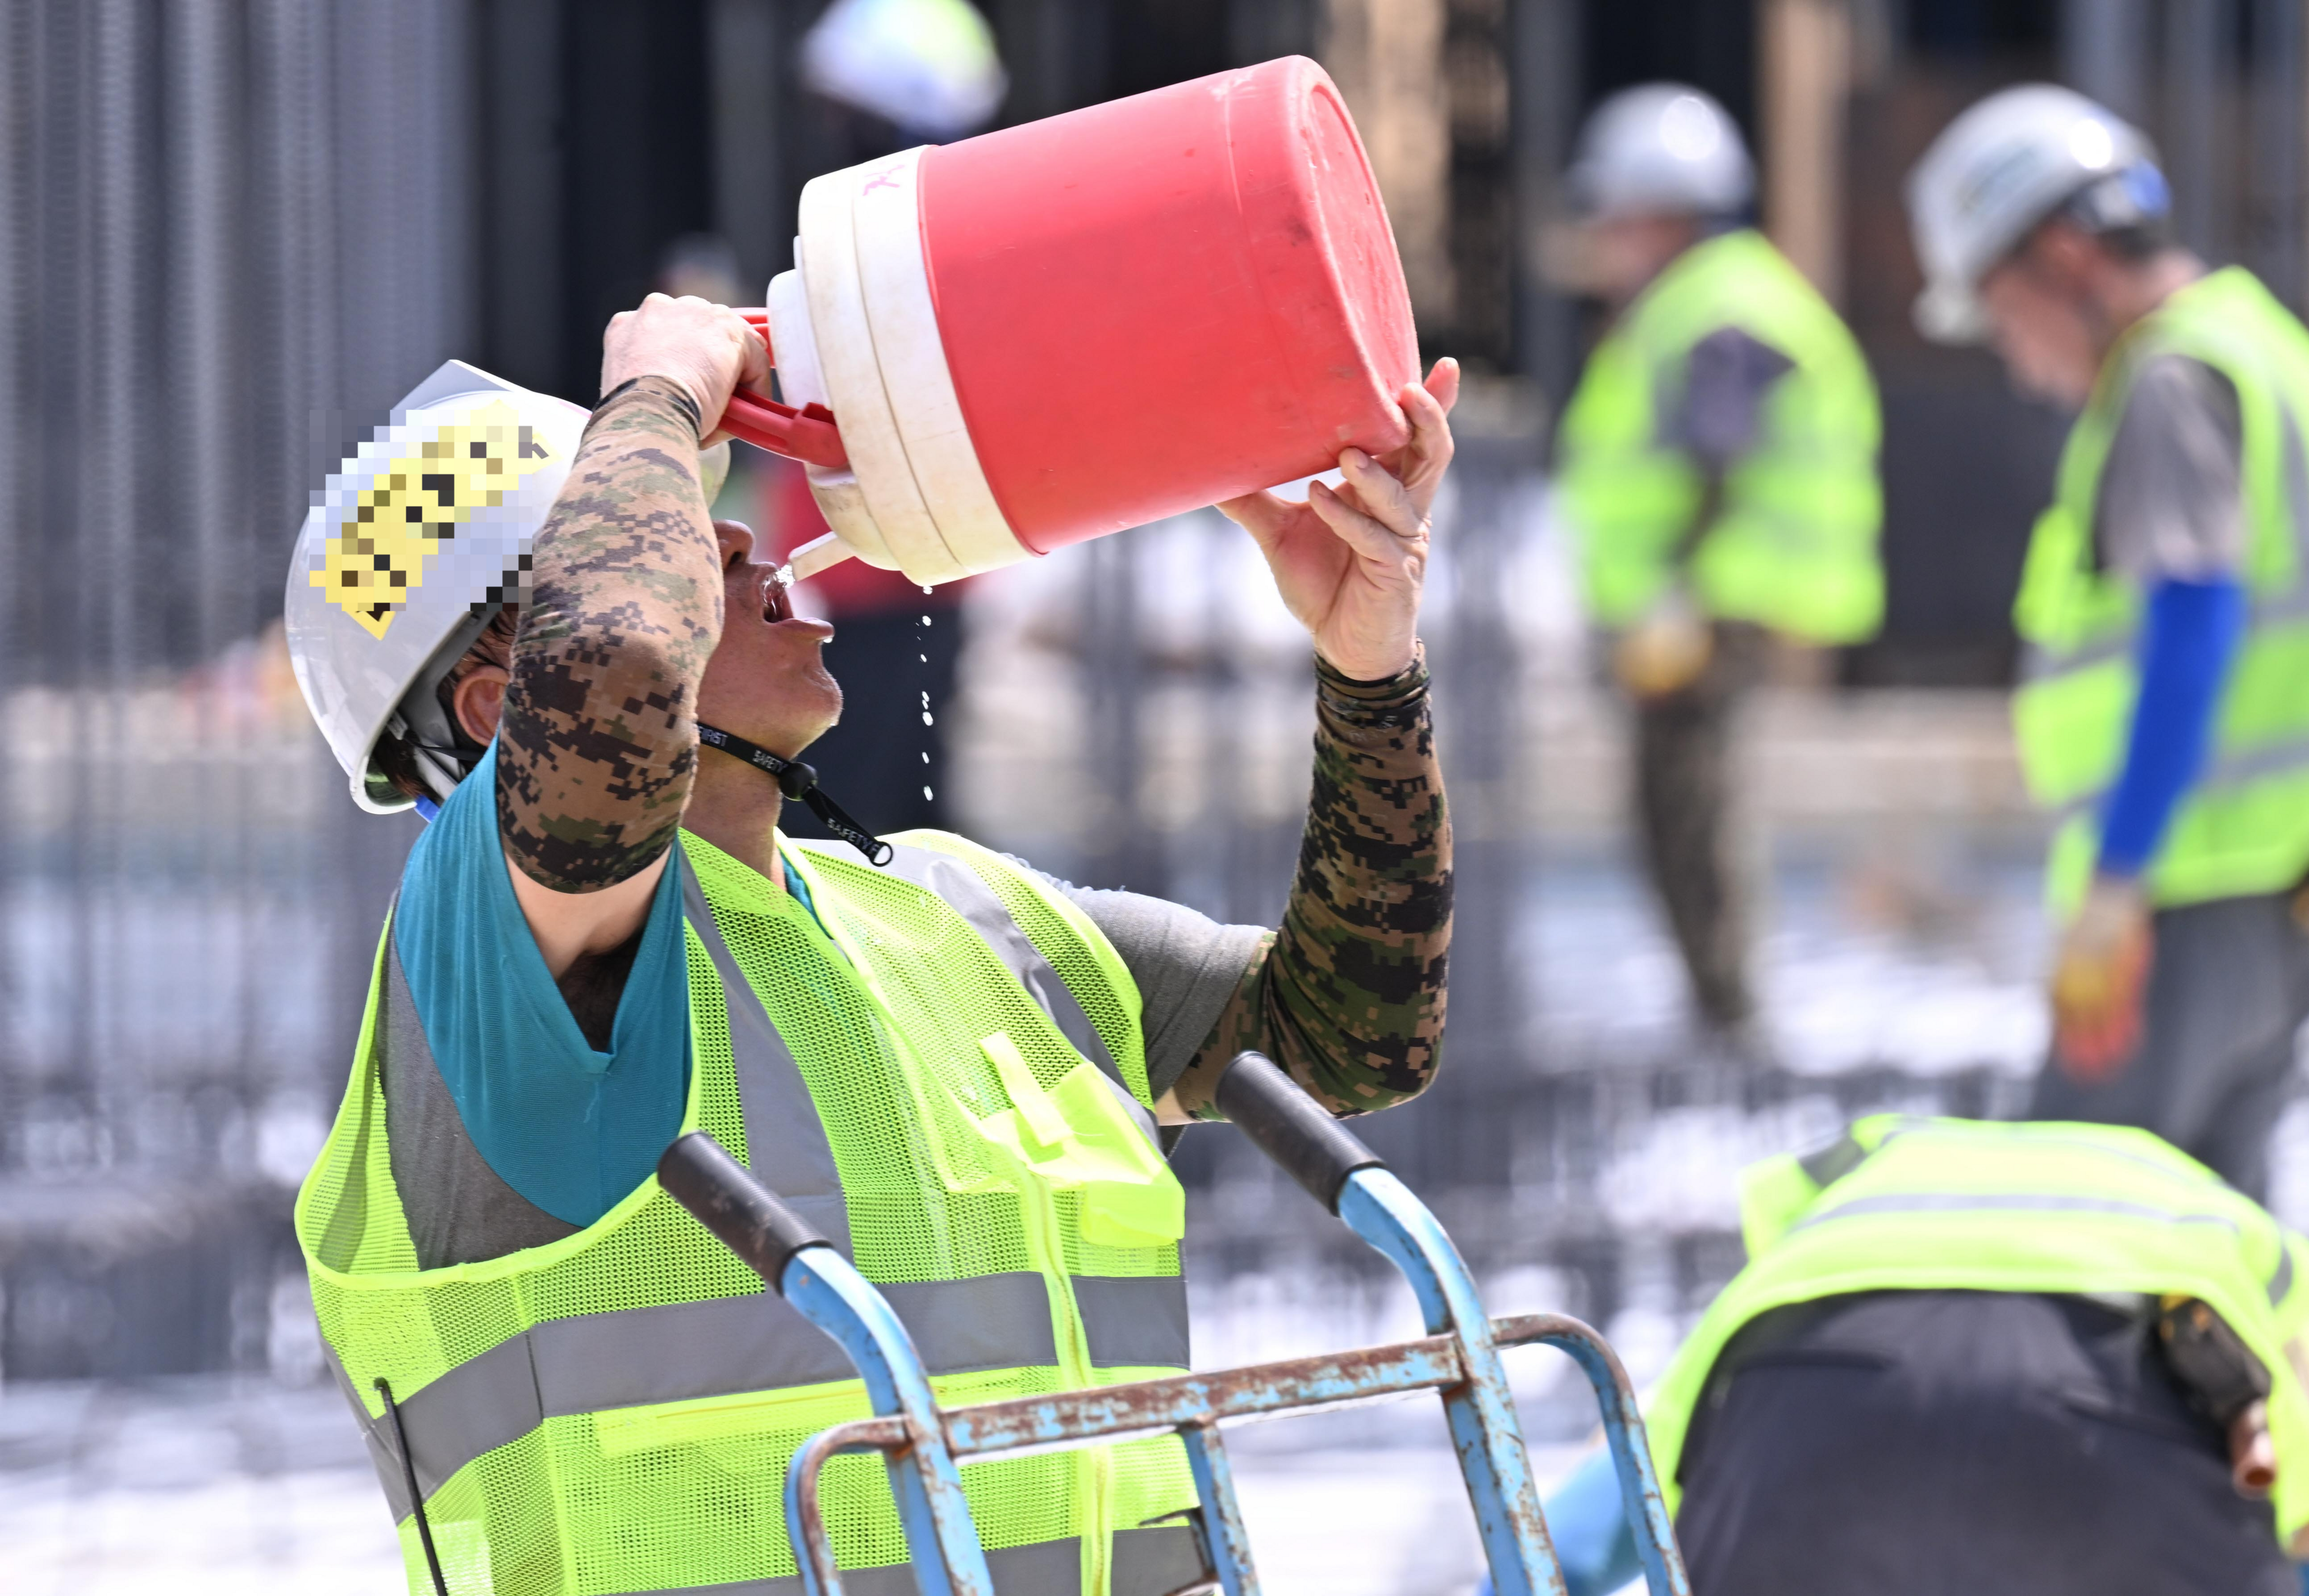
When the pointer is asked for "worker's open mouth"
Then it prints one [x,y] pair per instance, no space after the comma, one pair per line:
[777,597]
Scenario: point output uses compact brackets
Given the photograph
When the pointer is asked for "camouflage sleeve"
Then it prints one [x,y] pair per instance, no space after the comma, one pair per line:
[1348,994]
[598,740]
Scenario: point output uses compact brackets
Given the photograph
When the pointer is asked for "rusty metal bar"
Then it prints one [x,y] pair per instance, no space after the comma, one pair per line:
[813,1549]
[1624,1429]
[1458,1361]
[1226,1542]
[1484,1429]
[1192,1405]
[1145,1406]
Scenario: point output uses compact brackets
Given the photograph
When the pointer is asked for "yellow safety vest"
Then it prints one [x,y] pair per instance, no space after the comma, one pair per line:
[1794,547]
[942,1069]
[2244,828]
[1916,1205]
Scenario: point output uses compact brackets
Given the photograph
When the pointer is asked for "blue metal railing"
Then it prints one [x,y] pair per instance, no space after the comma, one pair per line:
[923,1445]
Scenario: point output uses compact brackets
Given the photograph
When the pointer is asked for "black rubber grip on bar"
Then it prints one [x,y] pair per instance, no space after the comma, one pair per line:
[727,1201]
[1292,1128]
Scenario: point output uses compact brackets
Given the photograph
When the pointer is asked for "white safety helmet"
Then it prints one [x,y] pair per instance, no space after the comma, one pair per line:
[409,550]
[2002,167]
[1662,148]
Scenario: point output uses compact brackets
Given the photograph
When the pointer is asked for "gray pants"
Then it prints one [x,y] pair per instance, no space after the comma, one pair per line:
[1931,1443]
[1684,804]
[2228,988]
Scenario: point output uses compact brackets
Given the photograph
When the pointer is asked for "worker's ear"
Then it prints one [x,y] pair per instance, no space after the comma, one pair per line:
[2063,256]
[480,700]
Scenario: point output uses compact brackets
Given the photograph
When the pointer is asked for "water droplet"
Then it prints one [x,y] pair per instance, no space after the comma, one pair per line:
[926,701]
[926,587]
[925,658]
[927,793]
[926,758]
[926,620]
[926,718]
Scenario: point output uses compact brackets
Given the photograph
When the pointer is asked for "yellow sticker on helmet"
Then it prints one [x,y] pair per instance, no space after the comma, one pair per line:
[388,532]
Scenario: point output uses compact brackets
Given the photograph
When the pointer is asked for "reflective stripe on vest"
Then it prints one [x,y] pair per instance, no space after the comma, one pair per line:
[2039,663]
[732,1346]
[1155,1562]
[729,1346]
[2005,1202]
[2222,774]
[782,1129]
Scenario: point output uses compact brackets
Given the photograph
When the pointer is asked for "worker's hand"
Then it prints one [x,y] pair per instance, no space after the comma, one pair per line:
[2099,976]
[706,347]
[1667,648]
[1350,563]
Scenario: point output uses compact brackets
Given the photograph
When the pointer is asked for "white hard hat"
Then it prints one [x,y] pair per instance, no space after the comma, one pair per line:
[408,551]
[2002,167]
[929,65]
[1662,147]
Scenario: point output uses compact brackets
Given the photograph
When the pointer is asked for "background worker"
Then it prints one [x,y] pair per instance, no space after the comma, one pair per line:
[2164,709]
[2029,1360]
[1717,466]
[951,1065]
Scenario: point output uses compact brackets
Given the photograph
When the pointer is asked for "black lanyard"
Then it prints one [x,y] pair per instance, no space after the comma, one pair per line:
[798,781]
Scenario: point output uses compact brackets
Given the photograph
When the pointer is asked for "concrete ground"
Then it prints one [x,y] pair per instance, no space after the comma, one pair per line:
[209,1487]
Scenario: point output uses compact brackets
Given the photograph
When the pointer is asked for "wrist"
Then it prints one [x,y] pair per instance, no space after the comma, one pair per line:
[1373,667]
[1391,700]
[653,390]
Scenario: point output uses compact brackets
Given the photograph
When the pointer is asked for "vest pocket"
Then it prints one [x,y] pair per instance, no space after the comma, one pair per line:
[1078,1135]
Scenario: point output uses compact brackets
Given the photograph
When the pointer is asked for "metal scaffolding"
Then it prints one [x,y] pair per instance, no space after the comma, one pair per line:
[231,234]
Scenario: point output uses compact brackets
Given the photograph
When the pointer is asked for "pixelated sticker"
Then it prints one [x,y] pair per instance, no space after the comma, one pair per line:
[413,500]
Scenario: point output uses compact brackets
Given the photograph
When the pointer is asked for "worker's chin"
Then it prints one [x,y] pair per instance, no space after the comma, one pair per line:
[828,717]
[790,720]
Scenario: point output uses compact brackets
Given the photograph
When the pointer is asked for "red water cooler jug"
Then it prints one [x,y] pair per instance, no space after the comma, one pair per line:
[993,348]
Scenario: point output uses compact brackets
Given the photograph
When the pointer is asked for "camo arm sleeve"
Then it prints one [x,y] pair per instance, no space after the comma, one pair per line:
[1347,996]
[599,741]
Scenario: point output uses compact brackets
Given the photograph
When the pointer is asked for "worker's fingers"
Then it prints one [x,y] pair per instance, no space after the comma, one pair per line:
[1420,463]
[705,349]
[1442,383]
[1381,494]
[1366,535]
[754,371]
[1265,516]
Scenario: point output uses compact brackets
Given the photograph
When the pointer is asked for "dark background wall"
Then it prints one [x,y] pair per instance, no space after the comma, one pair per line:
[610,129]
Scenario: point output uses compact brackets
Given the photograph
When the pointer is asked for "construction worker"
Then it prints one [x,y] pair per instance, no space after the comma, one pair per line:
[1717,466]
[2006,1359]
[520,619]
[2164,709]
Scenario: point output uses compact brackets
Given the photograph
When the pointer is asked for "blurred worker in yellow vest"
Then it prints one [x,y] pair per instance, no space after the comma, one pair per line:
[2163,707]
[1717,467]
[2001,1359]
